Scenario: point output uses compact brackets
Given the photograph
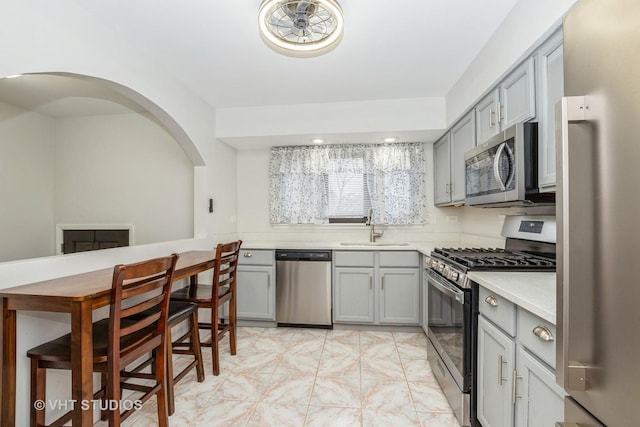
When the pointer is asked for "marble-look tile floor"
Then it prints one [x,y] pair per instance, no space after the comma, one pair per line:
[312,377]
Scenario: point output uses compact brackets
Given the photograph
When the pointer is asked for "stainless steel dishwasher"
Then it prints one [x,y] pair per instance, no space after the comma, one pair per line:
[303,288]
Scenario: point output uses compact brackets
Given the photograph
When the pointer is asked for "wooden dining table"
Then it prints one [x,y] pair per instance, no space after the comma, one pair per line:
[77,295]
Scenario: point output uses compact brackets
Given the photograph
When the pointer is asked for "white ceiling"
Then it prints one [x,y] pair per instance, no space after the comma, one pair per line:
[391,49]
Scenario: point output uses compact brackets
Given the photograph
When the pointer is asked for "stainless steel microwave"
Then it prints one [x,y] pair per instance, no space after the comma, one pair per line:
[503,171]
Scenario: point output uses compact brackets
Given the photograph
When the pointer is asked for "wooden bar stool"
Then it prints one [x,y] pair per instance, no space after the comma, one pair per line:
[212,297]
[136,326]
[179,312]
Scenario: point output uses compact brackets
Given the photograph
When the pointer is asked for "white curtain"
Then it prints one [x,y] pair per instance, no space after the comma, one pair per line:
[394,175]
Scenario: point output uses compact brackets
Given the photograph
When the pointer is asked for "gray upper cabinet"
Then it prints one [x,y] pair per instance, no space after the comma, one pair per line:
[486,117]
[449,161]
[463,139]
[518,96]
[513,101]
[551,89]
[442,170]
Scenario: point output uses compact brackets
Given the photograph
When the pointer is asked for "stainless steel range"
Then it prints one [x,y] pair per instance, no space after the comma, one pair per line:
[453,302]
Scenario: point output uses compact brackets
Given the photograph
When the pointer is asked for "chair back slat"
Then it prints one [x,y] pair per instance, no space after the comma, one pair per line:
[141,308]
[140,288]
[131,288]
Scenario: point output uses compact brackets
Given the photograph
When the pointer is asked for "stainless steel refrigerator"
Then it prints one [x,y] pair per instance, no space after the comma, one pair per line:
[598,214]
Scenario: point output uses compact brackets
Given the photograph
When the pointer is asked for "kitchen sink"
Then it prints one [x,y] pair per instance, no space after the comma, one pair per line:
[373,244]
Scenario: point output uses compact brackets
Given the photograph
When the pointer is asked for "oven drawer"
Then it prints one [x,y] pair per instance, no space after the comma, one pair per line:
[538,336]
[499,310]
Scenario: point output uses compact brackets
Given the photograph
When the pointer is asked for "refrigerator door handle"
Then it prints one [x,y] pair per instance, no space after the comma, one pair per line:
[576,279]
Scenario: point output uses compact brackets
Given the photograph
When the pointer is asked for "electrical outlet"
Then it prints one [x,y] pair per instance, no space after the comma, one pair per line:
[452,219]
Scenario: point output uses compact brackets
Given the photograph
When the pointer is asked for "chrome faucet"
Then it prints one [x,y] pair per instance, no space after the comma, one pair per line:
[372,231]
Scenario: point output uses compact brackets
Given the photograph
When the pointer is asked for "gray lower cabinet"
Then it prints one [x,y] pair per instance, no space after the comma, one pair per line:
[256,290]
[376,287]
[399,296]
[496,361]
[353,295]
[516,377]
[539,400]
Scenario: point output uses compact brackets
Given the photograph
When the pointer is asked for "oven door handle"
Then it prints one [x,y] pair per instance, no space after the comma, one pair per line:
[447,290]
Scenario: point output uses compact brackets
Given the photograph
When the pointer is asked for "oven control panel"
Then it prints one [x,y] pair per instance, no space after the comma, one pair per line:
[447,271]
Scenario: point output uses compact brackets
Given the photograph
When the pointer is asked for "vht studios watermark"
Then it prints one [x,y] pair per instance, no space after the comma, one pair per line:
[85,405]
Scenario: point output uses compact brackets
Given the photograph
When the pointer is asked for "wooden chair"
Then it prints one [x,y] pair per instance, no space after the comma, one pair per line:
[180,312]
[136,326]
[221,291]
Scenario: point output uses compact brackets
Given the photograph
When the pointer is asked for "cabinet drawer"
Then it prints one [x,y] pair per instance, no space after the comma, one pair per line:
[256,257]
[538,336]
[498,310]
[399,259]
[353,259]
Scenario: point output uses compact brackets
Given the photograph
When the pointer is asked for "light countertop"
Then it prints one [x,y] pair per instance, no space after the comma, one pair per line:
[422,247]
[535,292]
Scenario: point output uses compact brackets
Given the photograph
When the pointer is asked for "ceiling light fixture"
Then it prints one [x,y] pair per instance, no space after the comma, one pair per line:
[317,141]
[301,28]
[390,139]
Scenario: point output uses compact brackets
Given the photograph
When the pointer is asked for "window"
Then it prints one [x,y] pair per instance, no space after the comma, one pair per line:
[348,195]
[341,183]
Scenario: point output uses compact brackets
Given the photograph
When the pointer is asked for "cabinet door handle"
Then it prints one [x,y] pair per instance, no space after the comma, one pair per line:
[268,280]
[543,333]
[370,282]
[491,300]
[447,188]
[499,112]
[382,282]
[501,362]
[248,254]
[515,378]
[491,117]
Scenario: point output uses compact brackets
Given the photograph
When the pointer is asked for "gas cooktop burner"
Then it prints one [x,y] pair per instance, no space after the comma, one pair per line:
[495,259]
